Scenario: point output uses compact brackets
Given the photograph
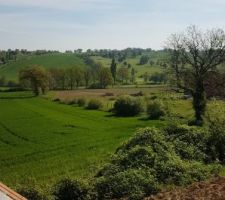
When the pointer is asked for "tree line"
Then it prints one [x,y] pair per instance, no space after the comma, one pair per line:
[95,76]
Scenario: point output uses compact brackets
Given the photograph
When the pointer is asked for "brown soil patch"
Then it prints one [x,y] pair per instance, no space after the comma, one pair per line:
[211,190]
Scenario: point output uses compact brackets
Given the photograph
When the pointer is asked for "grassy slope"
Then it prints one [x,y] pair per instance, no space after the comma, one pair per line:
[10,70]
[43,141]
[141,69]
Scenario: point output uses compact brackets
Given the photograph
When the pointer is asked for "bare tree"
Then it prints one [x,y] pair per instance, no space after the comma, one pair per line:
[194,55]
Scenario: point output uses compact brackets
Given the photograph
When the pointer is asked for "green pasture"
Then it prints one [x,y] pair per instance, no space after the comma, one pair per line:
[42,141]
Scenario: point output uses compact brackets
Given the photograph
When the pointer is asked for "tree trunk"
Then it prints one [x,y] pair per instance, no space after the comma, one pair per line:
[199,103]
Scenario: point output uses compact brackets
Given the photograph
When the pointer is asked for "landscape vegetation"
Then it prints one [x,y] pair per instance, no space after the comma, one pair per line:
[113,124]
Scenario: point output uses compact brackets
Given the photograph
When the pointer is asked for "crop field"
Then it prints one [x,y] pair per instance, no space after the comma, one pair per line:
[42,141]
[63,61]
[11,69]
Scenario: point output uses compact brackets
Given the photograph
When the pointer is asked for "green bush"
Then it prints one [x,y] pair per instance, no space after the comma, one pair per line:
[215,118]
[81,102]
[31,194]
[132,184]
[190,142]
[94,104]
[72,102]
[156,109]
[158,156]
[127,106]
[68,189]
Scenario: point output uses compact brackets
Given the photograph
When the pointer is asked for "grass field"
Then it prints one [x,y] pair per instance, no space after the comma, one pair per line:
[10,70]
[141,69]
[62,60]
[42,141]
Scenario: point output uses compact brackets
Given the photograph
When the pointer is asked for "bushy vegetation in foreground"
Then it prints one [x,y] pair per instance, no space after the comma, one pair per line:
[150,160]
[153,157]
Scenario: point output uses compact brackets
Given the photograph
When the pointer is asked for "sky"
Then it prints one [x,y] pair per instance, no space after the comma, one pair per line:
[102,24]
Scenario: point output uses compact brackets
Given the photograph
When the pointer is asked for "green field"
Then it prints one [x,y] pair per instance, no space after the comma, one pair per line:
[141,69]
[10,70]
[42,141]
[63,60]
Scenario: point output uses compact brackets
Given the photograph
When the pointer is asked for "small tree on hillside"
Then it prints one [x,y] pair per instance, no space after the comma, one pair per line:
[78,75]
[194,55]
[123,74]
[113,70]
[70,78]
[87,76]
[133,72]
[105,77]
[35,78]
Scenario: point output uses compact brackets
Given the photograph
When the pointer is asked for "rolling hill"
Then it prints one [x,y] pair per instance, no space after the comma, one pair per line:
[10,70]
[66,60]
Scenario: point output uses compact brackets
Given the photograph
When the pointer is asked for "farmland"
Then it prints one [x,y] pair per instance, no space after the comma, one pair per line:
[11,69]
[42,141]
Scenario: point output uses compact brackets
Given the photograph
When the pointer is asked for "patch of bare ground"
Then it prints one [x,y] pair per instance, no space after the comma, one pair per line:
[208,190]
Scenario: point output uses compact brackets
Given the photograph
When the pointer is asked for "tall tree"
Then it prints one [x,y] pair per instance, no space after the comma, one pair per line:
[78,75]
[105,77]
[87,76]
[133,72]
[35,78]
[70,78]
[123,74]
[113,70]
[194,55]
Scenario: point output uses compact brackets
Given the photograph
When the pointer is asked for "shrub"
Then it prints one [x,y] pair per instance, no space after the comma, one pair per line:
[56,100]
[152,156]
[215,118]
[156,109]
[189,142]
[72,102]
[132,184]
[95,86]
[31,194]
[127,106]
[68,189]
[81,102]
[94,104]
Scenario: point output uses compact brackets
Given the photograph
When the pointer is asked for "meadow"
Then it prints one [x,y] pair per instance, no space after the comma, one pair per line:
[11,69]
[48,61]
[42,141]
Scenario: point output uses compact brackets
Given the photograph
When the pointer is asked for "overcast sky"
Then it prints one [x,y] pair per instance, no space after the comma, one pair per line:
[114,24]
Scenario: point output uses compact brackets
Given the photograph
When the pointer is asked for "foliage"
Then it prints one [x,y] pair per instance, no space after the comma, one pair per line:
[194,54]
[31,194]
[105,77]
[81,102]
[35,78]
[68,189]
[94,104]
[190,142]
[113,70]
[151,154]
[143,60]
[127,106]
[158,78]
[216,124]
[156,109]
[123,74]
[133,184]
